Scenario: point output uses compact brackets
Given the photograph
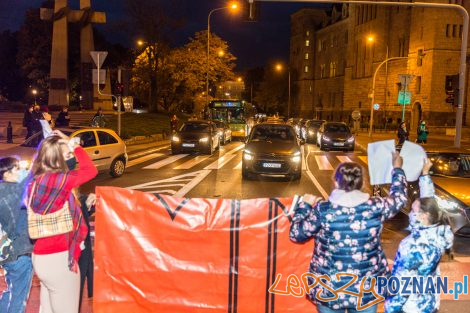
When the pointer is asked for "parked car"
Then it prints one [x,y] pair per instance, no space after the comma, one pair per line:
[334,135]
[225,133]
[196,136]
[272,149]
[311,130]
[106,149]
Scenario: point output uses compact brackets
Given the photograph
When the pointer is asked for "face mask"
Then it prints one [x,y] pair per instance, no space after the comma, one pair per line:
[71,163]
[22,174]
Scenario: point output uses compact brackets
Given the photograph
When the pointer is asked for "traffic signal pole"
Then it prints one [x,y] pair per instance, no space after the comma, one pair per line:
[463,48]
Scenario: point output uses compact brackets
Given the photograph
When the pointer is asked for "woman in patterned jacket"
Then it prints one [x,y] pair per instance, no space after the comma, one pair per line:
[419,253]
[347,229]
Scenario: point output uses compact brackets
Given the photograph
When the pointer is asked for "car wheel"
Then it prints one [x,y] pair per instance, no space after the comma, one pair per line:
[174,151]
[321,146]
[117,167]
[296,176]
[209,150]
[246,175]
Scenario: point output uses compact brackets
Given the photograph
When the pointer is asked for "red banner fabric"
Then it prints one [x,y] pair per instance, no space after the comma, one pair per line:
[156,253]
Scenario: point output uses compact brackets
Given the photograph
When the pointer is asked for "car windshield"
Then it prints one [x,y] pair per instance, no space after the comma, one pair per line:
[336,128]
[451,164]
[197,127]
[273,133]
[35,139]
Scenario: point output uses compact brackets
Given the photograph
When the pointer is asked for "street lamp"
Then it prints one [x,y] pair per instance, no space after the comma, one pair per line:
[279,68]
[371,40]
[232,7]
[34,92]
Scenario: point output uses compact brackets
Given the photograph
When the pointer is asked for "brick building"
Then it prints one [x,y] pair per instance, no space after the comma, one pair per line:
[334,54]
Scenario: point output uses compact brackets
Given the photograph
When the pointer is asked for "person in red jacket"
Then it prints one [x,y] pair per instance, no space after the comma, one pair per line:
[55,258]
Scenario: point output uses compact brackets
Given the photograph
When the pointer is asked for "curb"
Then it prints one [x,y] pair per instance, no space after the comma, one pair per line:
[136,140]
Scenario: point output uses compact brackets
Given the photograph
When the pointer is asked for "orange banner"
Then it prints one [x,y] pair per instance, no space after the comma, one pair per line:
[156,253]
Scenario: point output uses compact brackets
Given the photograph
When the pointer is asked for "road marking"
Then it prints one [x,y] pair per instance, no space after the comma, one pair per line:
[162,163]
[314,180]
[183,191]
[304,156]
[343,158]
[220,162]
[323,163]
[236,149]
[189,164]
[143,159]
[239,166]
[363,158]
[136,155]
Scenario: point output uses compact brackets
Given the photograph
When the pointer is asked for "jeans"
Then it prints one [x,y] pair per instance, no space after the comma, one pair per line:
[18,278]
[325,309]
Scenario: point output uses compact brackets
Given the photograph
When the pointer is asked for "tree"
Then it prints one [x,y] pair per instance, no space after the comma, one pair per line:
[273,93]
[10,77]
[34,51]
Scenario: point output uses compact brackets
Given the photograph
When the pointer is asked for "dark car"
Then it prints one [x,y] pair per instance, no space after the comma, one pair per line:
[333,135]
[311,130]
[225,133]
[273,150]
[451,176]
[196,136]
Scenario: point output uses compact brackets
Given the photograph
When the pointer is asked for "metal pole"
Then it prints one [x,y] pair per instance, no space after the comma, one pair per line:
[119,103]
[463,48]
[371,120]
[288,99]
[208,51]
[404,104]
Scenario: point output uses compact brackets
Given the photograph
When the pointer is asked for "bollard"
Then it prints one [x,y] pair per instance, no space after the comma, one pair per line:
[9,133]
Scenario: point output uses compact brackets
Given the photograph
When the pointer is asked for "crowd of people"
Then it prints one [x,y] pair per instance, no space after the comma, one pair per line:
[45,201]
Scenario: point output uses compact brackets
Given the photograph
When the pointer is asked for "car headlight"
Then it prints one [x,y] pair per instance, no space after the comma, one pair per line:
[325,138]
[248,155]
[311,132]
[204,139]
[175,139]
[24,164]
[351,139]
[296,159]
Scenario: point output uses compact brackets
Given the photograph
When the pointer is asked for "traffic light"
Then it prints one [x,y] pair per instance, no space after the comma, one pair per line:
[119,89]
[450,97]
[251,12]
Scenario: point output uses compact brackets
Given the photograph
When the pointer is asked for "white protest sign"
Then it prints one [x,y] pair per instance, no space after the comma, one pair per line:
[413,160]
[379,155]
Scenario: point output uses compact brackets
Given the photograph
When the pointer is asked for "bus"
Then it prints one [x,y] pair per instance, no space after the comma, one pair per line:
[237,114]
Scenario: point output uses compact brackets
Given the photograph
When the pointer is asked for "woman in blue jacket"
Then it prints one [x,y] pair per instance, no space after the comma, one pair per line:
[13,219]
[347,229]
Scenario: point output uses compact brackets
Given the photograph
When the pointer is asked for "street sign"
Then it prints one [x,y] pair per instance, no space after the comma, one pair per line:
[376,106]
[405,79]
[404,98]
[356,115]
[102,77]
[102,56]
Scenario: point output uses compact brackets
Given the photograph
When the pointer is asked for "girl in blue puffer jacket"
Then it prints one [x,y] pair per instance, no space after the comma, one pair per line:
[419,253]
[347,229]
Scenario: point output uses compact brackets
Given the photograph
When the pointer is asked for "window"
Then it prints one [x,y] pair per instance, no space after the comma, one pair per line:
[448,30]
[306,69]
[332,69]
[307,43]
[460,31]
[418,84]
[106,138]
[322,71]
[306,56]
[307,33]
[419,60]
[454,30]
[87,139]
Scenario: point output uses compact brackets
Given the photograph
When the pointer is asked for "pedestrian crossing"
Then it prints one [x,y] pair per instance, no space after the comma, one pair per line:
[231,158]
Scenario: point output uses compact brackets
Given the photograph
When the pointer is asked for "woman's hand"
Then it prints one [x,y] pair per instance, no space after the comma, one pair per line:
[311,199]
[74,266]
[91,200]
[63,136]
[397,160]
[427,166]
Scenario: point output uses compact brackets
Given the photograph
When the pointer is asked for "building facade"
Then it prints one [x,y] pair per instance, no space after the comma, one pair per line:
[335,53]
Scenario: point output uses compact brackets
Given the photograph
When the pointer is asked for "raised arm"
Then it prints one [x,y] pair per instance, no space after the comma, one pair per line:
[87,170]
[305,223]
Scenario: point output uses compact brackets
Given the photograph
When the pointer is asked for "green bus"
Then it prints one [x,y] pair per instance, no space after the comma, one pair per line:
[237,114]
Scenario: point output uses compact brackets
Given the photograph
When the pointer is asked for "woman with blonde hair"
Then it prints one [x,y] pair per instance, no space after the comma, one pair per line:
[55,258]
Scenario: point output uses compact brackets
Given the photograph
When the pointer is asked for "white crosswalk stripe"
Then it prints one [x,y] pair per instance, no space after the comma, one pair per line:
[323,163]
[364,159]
[343,158]
[143,159]
[164,162]
[189,164]
[239,166]
[220,162]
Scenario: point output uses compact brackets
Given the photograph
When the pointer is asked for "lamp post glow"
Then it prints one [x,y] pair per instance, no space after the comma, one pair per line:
[232,7]
[279,68]
[34,92]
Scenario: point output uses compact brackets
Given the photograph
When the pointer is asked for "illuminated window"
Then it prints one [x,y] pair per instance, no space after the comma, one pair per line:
[332,69]
[306,56]
[307,43]
[307,33]
[306,69]
[322,71]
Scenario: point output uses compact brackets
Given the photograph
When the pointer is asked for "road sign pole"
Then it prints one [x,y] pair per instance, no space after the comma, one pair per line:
[404,102]
[118,100]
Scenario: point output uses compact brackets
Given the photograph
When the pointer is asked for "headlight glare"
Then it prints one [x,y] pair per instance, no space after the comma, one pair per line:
[175,139]
[204,139]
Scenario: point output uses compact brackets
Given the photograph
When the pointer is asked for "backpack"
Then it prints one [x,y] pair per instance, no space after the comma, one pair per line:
[5,245]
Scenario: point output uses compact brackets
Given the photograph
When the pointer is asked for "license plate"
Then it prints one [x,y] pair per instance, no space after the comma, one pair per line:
[189,145]
[272,165]
[338,144]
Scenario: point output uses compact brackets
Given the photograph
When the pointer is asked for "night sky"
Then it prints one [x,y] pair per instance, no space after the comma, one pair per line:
[254,43]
